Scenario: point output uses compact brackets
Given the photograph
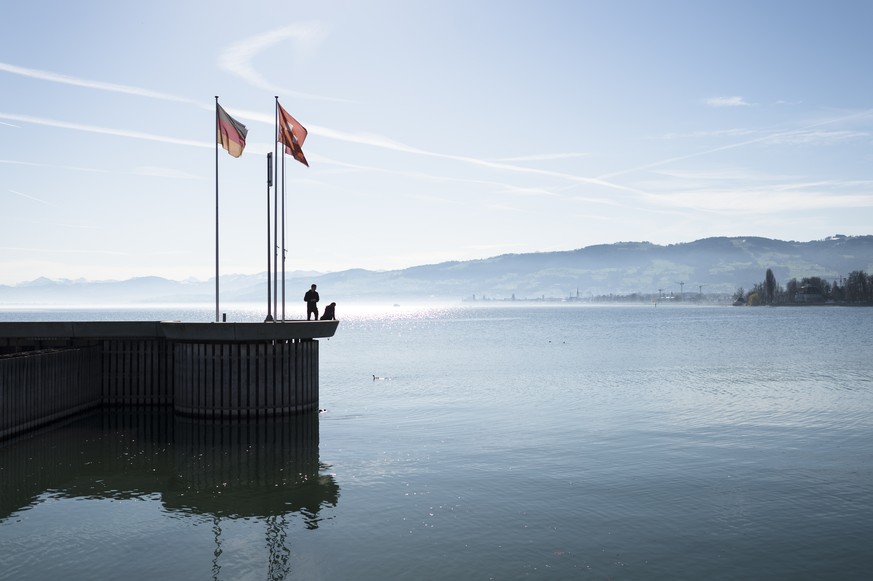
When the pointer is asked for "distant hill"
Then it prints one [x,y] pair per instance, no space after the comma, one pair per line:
[714,265]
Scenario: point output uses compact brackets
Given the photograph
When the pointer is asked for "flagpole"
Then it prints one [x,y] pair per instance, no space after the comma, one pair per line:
[269,183]
[269,243]
[283,236]
[292,136]
[276,217]
[216,209]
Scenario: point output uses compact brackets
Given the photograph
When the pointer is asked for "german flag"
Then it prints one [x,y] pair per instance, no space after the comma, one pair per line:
[231,133]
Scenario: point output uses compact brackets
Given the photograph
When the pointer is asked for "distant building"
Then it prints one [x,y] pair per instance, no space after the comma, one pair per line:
[808,294]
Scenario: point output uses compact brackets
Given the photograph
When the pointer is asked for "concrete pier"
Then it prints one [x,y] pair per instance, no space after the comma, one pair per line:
[51,370]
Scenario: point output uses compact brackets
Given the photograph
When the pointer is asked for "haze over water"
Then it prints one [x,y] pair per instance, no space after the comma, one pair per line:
[486,442]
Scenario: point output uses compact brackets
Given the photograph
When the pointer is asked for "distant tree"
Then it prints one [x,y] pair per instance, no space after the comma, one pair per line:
[838,293]
[759,295]
[769,287]
[858,287]
[739,294]
[869,287]
[791,290]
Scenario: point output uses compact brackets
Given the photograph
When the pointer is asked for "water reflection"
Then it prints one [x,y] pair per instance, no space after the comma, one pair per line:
[267,470]
[252,469]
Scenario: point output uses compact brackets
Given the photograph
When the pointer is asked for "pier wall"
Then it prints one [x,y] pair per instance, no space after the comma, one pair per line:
[246,379]
[42,386]
[49,371]
[137,372]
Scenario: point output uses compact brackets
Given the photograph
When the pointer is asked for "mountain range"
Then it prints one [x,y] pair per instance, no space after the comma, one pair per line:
[717,265]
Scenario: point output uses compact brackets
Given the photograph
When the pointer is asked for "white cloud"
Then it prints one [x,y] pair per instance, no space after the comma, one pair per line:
[736,132]
[764,200]
[544,157]
[736,101]
[34,164]
[238,58]
[721,174]
[823,137]
[164,172]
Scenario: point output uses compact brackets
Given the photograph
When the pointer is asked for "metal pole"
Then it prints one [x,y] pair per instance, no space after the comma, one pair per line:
[283,236]
[269,183]
[276,215]
[216,208]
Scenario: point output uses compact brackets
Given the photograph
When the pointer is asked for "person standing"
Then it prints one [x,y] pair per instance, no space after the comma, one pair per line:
[311,298]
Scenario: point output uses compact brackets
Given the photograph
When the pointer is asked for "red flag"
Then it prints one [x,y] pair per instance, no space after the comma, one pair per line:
[292,134]
[231,133]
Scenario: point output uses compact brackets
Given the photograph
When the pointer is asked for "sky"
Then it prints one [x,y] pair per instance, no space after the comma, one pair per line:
[437,131]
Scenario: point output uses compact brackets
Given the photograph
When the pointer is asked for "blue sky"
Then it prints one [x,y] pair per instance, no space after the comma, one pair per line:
[438,131]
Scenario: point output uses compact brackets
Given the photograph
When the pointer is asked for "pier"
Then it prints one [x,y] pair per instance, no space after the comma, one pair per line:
[53,370]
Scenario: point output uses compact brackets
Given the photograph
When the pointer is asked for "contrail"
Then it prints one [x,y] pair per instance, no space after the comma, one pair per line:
[102,86]
[104,130]
[29,197]
[736,145]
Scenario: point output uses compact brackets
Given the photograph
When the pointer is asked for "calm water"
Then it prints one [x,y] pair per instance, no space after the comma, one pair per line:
[497,442]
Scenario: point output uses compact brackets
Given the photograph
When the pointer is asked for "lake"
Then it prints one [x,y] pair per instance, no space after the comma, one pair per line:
[482,441]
